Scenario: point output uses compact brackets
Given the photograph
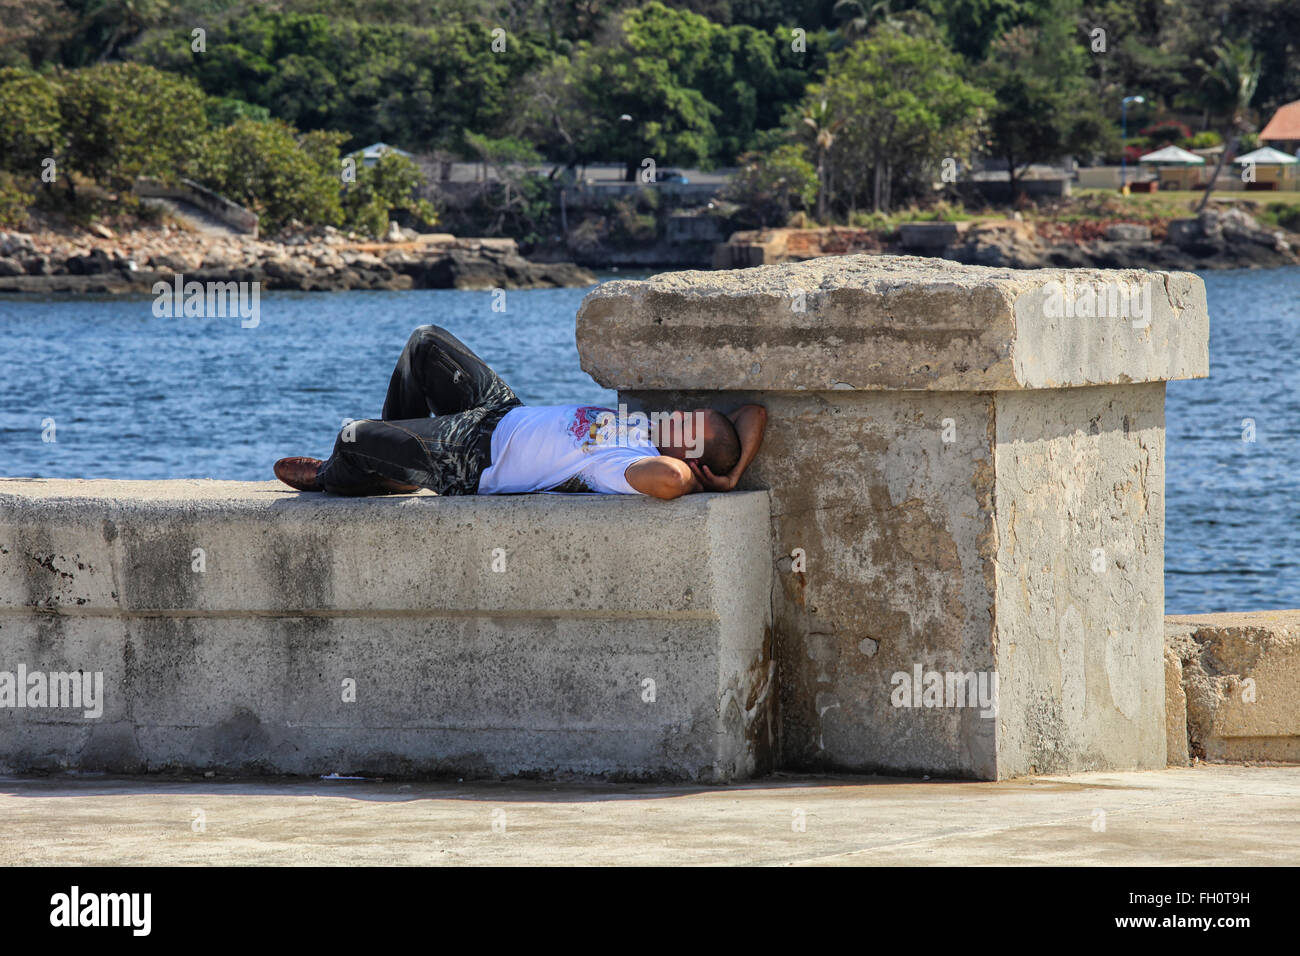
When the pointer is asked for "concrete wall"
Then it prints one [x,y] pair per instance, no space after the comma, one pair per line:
[1231,686]
[975,485]
[1080,578]
[231,213]
[459,668]
[894,527]
[908,561]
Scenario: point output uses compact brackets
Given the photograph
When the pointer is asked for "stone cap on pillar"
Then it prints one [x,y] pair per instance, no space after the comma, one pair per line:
[894,322]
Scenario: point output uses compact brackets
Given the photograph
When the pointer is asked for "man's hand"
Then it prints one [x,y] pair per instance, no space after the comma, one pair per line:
[750,422]
[665,477]
[711,482]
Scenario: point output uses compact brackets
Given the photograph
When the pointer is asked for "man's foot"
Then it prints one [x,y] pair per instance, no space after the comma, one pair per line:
[299,473]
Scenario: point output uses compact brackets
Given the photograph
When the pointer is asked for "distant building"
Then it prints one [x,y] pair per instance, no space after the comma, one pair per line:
[1283,130]
[370,155]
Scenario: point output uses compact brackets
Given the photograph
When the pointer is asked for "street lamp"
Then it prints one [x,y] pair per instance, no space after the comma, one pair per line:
[1123,151]
[628,174]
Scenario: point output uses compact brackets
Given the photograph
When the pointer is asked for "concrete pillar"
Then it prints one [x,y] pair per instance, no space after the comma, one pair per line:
[967,476]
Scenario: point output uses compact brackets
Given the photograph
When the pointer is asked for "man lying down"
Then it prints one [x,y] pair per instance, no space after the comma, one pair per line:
[452,425]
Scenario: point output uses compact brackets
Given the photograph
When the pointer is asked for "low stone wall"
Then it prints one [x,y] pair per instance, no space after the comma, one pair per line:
[232,214]
[241,627]
[1230,687]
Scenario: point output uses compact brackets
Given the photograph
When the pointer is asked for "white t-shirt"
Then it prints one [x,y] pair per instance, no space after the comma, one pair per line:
[572,448]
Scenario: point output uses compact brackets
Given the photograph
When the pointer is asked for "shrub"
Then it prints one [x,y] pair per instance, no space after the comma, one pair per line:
[123,121]
[1170,131]
[1285,215]
[14,200]
[391,185]
[265,167]
[769,187]
[30,128]
[221,111]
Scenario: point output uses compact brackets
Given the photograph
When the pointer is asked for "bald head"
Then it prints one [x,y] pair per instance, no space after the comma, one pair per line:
[703,435]
[721,443]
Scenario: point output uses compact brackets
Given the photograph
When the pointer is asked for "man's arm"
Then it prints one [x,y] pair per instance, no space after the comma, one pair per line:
[662,477]
[750,421]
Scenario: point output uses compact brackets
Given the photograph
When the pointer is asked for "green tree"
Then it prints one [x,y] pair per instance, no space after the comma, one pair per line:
[1133,51]
[971,26]
[553,114]
[74,33]
[820,126]
[1192,29]
[104,27]
[303,92]
[265,167]
[14,201]
[751,84]
[224,110]
[1045,105]
[896,105]
[672,86]
[123,120]
[29,30]
[768,15]
[1234,78]
[856,18]
[30,126]
[637,89]
[391,185]
[417,86]
[518,201]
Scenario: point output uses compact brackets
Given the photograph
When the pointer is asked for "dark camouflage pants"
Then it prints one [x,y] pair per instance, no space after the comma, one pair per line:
[436,375]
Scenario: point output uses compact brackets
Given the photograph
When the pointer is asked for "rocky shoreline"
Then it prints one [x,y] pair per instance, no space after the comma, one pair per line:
[329,261]
[1216,239]
[103,262]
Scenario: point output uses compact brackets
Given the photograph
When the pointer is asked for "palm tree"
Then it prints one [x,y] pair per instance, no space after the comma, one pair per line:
[854,18]
[1233,79]
[822,126]
[857,18]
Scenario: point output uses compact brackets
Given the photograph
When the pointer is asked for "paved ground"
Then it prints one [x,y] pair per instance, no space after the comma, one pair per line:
[1201,816]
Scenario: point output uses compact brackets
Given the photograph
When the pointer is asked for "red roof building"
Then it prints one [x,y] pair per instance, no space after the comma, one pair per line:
[1283,130]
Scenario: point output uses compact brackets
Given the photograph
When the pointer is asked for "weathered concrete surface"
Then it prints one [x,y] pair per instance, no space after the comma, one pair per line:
[951,507]
[1079,486]
[897,536]
[1207,816]
[885,322]
[540,667]
[1176,743]
[1236,678]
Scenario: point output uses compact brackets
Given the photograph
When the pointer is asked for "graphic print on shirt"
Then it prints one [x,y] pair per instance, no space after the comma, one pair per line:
[593,426]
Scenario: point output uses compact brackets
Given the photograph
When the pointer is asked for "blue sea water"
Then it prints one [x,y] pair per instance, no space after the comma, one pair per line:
[134,396]
[1232,506]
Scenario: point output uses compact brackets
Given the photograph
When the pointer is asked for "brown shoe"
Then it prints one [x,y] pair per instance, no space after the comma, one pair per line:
[299,473]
